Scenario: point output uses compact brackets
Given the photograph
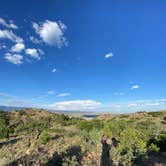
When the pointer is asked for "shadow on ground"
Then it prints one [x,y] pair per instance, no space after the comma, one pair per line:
[56,160]
[12,141]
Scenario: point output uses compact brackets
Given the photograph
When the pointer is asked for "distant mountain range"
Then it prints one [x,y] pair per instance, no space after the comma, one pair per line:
[11,108]
[86,114]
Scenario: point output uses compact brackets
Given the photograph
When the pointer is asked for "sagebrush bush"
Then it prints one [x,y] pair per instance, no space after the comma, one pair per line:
[44,137]
[153,148]
[4,122]
[90,125]
[131,145]
[115,128]
[4,131]
[31,126]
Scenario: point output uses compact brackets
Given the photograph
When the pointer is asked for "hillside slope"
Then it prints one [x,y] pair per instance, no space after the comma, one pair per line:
[42,138]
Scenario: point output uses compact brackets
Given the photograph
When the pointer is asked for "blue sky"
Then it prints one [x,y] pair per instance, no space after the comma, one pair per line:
[83,55]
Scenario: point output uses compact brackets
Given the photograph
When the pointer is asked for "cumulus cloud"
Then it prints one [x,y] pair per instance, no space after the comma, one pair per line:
[135,87]
[109,55]
[18,47]
[54,70]
[8,25]
[15,58]
[63,94]
[52,33]
[6,34]
[75,105]
[34,53]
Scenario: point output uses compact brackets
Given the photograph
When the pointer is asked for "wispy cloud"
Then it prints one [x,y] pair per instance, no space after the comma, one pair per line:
[8,24]
[8,34]
[163,100]
[10,100]
[63,94]
[35,40]
[153,104]
[132,105]
[109,55]
[52,33]
[3,46]
[54,70]
[51,92]
[135,87]
[2,94]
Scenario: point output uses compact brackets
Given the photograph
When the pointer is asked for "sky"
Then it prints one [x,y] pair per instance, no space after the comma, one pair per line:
[81,55]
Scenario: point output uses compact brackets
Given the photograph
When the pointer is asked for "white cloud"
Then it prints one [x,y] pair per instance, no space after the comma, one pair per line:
[54,70]
[6,34]
[140,101]
[41,51]
[2,94]
[163,100]
[116,106]
[109,55]
[15,58]
[2,46]
[135,87]
[75,105]
[8,25]
[132,105]
[51,92]
[63,94]
[35,40]
[52,33]
[153,104]
[33,53]
[18,47]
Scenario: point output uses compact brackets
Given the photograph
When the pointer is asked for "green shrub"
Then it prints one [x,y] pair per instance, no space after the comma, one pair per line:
[90,125]
[153,148]
[155,114]
[4,131]
[21,112]
[131,146]
[32,126]
[44,137]
[57,130]
[4,122]
[4,119]
[114,128]
[147,125]
[65,120]
[124,116]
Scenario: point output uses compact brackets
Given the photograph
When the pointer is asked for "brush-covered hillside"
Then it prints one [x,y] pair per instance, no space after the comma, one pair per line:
[34,137]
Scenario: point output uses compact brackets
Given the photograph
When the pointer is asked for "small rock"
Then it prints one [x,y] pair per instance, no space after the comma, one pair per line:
[28,152]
